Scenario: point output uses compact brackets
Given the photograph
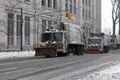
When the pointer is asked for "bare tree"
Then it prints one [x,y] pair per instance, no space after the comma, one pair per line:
[119,17]
[4,29]
[11,5]
[115,14]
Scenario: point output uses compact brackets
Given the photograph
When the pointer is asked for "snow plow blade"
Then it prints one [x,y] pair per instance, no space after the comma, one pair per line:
[112,47]
[93,50]
[46,51]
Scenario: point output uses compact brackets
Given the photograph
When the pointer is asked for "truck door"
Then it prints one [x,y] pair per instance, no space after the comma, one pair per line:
[65,42]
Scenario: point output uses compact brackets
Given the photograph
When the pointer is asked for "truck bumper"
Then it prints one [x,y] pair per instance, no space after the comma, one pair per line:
[113,47]
[60,50]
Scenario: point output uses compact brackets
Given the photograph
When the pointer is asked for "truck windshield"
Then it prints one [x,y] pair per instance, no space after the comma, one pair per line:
[56,36]
[46,37]
[94,41]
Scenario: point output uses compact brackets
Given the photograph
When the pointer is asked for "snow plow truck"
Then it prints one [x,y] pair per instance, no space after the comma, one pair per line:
[118,41]
[98,43]
[113,42]
[59,42]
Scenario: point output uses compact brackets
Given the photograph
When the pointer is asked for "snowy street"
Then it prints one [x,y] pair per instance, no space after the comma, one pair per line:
[86,67]
[111,73]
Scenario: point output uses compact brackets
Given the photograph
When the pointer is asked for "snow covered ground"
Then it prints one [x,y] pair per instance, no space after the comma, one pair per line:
[111,73]
[6,55]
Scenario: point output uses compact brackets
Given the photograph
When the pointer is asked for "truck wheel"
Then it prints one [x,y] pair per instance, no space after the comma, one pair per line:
[36,54]
[75,51]
[79,51]
[66,54]
[59,54]
[47,56]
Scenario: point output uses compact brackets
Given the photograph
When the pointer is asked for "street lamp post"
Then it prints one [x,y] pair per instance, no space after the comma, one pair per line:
[21,44]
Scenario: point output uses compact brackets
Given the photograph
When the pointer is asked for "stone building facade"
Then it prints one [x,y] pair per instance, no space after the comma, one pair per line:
[39,15]
[91,16]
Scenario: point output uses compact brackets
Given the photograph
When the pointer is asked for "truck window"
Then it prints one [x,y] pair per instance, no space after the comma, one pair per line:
[58,36]
[46,37]
[94,41]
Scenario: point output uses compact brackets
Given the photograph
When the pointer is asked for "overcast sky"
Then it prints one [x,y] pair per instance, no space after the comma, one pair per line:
[106,16]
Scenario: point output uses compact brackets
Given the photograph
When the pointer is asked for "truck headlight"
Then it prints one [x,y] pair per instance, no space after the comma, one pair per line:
[46,42]
[54,42]
[96,44]
[61,46]
[92,44]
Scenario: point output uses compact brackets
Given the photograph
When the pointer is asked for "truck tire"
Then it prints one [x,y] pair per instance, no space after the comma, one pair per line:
[66,54]
[59,54]
[36,54]
[47,56]
[75,51]
[105,49]
[79,50]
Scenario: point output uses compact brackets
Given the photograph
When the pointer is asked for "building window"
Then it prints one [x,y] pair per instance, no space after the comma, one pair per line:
[86,13]
[49,24]
[71,8]
[43,25]
[55,4]
[89,15]
[89,3]
[27,30]
[27,0]
[10,29]
[86,2]
[19,0]
[55,22]
[74,9]
[83,2]
[83,12]
[43,2]
[50,3]
[66,6]
[70,1]
[74,2]
[18,30]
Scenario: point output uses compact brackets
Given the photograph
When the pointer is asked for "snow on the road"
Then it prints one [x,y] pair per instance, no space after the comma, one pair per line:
[6,55]
[111,73]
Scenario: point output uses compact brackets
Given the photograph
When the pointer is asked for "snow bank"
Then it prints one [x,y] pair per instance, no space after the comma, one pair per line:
[4,55]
